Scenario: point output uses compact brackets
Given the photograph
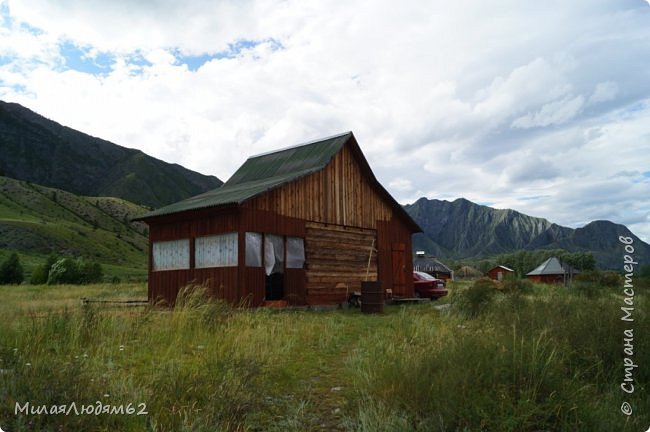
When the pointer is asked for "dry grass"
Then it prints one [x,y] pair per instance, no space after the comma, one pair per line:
[543,360]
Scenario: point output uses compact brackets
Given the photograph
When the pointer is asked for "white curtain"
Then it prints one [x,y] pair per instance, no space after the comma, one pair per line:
[295,252]
[216,251]
[171,255]
[273,254]
[253,249]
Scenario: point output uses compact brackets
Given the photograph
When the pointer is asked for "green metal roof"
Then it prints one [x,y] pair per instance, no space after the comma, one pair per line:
[262,173]
[269,171]
[295,161]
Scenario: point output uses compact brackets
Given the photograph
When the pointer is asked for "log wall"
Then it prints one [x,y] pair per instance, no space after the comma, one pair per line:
[337,260]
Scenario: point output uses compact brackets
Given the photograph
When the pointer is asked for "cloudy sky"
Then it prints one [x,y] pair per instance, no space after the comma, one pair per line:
[539,106]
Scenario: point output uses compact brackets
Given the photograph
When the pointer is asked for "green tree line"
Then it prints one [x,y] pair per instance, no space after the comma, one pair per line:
[524,261]
[54,270]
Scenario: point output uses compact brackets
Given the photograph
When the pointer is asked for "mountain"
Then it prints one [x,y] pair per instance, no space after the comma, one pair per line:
[463,229]
[36,220]
[38,150]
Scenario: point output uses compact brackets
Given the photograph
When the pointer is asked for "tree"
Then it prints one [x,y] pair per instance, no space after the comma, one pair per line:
[11,271]
[64,271]
[90,271]
[71,271]
[41,272]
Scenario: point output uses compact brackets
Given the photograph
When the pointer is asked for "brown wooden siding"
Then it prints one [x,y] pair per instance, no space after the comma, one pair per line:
[339,194]
[394,244]
[295,291]
[227,283]
[194,224]
[337,261]
[252,286]
[219,281]
[271,223]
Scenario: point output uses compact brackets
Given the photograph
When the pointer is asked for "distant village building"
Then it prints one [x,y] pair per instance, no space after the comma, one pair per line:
[303,225]
[552,271]
[432,266]
[500,273]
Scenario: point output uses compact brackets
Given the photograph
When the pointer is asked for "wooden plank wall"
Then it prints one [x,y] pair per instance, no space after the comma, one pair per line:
[230,283]
[295,286]
[392,236]
[339,194]
[221,282]
[337,261]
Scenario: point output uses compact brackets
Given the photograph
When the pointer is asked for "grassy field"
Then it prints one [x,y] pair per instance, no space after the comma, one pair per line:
[526,359]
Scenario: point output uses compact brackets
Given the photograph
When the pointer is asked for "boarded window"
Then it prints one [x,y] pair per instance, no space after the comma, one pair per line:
[273,254]
[216,251]
[171,255]
[253,249]
[295,252]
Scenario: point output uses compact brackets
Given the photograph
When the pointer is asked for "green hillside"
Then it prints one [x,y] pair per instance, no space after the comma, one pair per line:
[36,149]
[36,221]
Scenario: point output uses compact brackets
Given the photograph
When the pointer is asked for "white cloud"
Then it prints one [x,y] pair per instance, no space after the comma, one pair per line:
[550,114]
[493,101]
[605,91]
[401,185]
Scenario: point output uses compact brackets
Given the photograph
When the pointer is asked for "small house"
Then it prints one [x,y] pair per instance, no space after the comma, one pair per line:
[301,226]
[552,271]
[500,273]
[432,266]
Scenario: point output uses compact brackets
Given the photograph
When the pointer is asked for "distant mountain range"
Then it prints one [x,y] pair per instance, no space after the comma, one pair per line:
[38,150]
[463,229]
[49,171]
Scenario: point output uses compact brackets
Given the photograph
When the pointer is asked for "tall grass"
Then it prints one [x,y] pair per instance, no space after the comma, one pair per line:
[548,360]
[528,358]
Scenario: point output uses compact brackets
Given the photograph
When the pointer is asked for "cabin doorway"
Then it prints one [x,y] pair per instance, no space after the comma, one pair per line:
[274,258]
[398,256]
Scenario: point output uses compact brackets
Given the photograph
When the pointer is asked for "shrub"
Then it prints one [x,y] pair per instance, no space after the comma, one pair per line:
[90,272]
[11,271]
[521,286]
[599,278]
[70,271]
[475,299]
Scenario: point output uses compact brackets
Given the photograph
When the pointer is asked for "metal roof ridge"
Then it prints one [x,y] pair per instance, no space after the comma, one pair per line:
[300,145]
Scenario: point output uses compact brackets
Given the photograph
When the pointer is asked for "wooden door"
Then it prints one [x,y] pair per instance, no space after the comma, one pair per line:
[398,258]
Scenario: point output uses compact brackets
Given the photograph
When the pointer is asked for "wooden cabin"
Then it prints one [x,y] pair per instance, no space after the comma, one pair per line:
[299,226]
[432,266]
[552,271]
[500,273]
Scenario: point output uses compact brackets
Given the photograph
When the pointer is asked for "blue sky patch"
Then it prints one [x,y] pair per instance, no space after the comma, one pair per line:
[234,49]
[5,16]
[33,30]
[79,59]
[533,197]
[195,62]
